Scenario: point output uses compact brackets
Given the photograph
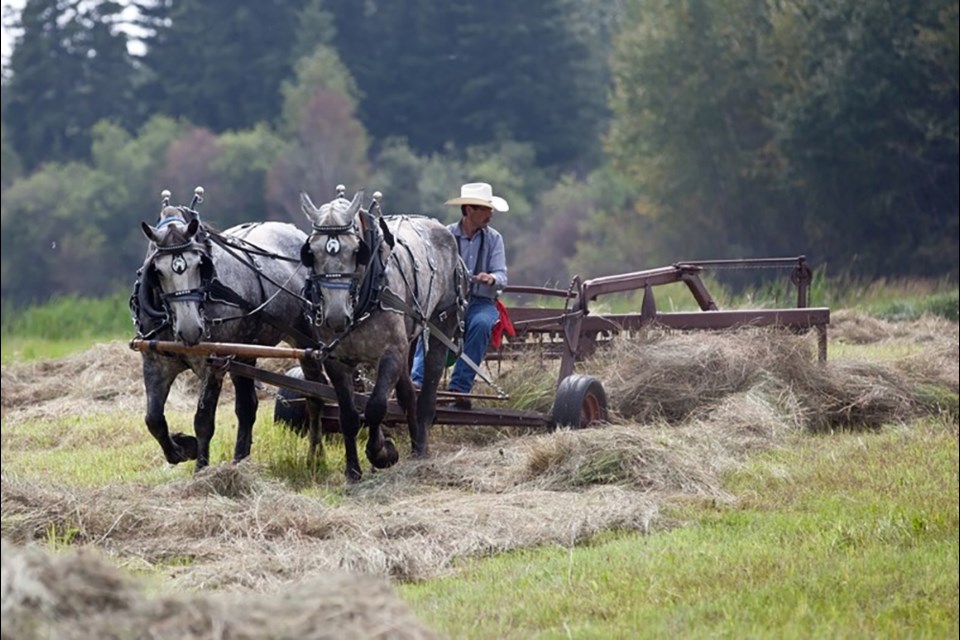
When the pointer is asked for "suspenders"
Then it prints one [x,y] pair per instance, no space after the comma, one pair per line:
[477,268]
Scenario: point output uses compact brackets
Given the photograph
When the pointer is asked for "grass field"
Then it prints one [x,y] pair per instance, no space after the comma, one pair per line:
[755,494]
[840,536]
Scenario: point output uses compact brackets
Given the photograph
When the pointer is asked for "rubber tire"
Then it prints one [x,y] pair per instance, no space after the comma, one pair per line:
[580,402]
[290,407]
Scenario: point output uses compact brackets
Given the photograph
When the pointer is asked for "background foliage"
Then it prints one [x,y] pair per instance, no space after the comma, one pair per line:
[625,135]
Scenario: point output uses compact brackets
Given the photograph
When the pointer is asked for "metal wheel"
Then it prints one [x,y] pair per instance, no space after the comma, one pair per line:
[581,402]
[290,407]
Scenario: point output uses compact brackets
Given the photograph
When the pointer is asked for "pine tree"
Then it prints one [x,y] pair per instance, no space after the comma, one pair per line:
[69,69]
[219,63]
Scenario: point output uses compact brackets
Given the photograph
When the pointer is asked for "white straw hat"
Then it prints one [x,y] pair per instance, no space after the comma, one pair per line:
[479,193]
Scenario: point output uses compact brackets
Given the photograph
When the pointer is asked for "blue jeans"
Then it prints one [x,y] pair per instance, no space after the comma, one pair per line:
[482,314]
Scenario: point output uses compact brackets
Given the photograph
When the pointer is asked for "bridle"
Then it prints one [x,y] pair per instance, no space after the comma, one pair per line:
[337,280]
[197,294]
[147,289]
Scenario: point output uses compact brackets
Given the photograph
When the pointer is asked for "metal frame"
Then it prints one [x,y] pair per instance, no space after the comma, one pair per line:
[572,333]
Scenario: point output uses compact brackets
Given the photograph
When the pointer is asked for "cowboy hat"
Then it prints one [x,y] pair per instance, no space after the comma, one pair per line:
[481,194]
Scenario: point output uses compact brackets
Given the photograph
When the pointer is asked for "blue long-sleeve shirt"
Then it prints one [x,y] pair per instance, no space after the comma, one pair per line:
[486,246]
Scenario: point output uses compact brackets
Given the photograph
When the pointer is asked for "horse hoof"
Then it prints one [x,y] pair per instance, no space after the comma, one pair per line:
[186,445]
[386,457]
[353,477]
[420,453]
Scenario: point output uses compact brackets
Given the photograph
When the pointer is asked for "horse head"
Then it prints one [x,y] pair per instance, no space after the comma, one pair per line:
[337,253]
[178,265]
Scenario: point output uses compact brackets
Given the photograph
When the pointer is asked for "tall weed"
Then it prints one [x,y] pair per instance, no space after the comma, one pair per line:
[69,318]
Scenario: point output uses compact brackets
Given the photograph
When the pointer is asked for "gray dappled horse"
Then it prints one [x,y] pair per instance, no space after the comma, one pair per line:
[242,285]
[371,277]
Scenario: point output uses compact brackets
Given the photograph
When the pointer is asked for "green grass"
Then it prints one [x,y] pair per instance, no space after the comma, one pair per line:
[894,300]
[840,536]
[27,349]
[63,326]
[92,450]
[70,317]
[113,448]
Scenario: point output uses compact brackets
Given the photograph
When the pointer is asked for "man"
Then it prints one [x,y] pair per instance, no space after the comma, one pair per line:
[481,247]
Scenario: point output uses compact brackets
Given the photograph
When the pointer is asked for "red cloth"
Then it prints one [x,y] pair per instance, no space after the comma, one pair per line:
[503,325]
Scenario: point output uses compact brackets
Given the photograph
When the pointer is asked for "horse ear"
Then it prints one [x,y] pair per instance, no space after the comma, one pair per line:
[356,205]
[309,209]
[387,235]
[344,217]
[149,231]
[306,255]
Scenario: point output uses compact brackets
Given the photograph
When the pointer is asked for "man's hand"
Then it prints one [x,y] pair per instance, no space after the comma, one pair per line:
[485,278]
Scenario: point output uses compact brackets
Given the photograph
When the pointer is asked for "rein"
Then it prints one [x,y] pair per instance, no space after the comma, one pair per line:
[241,250]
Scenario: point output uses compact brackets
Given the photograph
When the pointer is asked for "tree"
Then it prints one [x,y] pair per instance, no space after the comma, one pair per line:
[219,63]
[472,73]
[330,148]
[397,172]
[69,69]
[189,164]
[693,92]
[9,160]
[868,123]
[53,234]
[240,170]
[326,143]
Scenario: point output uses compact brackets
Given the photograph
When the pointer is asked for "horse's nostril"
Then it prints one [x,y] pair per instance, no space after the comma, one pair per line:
[191,338]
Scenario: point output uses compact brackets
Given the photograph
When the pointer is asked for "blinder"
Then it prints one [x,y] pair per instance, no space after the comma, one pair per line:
[363,253]
[306,255]
[146,307]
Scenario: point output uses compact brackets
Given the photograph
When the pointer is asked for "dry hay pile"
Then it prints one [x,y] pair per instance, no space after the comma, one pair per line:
[81,595]
[731,377]
[106,377]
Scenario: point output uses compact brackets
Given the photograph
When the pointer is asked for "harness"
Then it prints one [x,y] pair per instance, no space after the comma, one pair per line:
[150,308]
[371,291]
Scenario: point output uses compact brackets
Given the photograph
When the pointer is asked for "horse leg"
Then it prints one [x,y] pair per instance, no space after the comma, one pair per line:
[427,401]
[407,399]
[157,380]
[381,452]
[204,420]
[312,371]
[246,409]
[341,376]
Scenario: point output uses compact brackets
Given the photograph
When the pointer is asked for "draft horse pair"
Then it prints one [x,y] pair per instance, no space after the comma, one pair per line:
[361,288]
